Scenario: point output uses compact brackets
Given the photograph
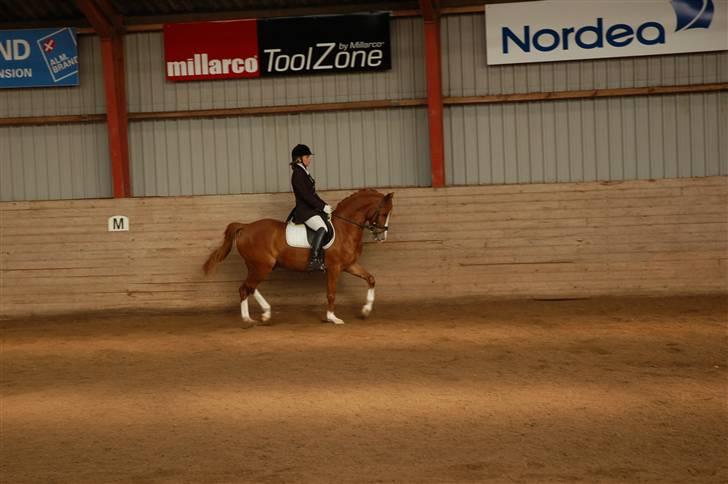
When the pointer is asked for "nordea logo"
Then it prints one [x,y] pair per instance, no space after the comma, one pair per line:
[690,14]
[587,37]
[693,14]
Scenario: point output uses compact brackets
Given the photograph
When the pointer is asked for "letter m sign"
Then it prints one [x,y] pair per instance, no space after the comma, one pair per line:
[118,223]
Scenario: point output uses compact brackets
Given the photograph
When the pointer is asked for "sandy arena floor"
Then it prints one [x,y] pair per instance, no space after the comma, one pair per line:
[607,390]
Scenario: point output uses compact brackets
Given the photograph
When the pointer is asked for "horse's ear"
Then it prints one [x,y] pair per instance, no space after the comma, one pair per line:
[389,196]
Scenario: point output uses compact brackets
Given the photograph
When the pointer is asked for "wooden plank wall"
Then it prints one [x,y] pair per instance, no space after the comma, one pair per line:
[521,241]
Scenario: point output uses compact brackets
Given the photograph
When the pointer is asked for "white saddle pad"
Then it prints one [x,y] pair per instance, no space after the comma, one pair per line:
[296,236]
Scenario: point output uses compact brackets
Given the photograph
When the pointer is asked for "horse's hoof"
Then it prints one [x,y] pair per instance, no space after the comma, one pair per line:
[249,323]
[366,311]
[266,316]
[331,318]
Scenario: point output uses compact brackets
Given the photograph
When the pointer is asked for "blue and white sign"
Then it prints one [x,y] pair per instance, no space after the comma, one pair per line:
[38,58]
[561,30]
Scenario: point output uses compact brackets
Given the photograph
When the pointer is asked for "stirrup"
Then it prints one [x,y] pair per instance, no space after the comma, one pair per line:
[316,265]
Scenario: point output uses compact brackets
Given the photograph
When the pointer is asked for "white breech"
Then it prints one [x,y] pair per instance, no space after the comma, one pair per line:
[315,223]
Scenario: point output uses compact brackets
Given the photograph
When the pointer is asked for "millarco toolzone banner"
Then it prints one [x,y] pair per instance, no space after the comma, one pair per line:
[277,47]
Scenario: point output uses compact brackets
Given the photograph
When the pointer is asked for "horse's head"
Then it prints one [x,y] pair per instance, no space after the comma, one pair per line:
[379,219]
[368,209]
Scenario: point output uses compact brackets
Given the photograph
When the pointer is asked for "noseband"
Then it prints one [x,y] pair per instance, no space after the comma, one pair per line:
[376,229]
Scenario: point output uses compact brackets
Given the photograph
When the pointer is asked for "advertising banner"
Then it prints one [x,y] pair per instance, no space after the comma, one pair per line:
[316,45]
[38,58]
[277,47]
[211,50]
[558,30]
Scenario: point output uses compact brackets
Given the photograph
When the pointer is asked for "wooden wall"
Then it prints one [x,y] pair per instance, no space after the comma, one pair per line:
[521,241]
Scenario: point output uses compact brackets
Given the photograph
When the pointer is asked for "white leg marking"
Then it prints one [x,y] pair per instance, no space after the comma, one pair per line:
[370,301]
[244,311]
[331,318]
[263,304]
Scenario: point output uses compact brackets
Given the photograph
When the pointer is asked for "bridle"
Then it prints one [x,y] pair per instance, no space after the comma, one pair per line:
[376,229]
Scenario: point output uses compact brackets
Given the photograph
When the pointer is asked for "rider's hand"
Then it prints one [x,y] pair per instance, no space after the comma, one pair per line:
[328,209]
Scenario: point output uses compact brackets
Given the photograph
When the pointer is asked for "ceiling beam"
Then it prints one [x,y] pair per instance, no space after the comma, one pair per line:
[116,19]
[104,22]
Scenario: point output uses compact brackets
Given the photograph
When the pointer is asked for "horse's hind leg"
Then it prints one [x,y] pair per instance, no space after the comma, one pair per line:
[246,289]
[263,304]
[256,274]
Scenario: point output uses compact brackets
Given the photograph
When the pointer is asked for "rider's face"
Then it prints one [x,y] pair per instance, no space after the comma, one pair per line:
[306,160]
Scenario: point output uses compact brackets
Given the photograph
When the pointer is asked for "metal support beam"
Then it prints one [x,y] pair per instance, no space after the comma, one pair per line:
[434,90]
[109,25]
[112,50]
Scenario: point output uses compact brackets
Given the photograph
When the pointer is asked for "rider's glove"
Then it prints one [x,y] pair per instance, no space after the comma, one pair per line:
[328,209]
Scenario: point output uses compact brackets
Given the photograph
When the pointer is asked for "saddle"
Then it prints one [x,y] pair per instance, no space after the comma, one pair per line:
[299,235]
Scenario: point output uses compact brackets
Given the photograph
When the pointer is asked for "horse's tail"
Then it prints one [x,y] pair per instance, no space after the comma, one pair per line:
[219,254]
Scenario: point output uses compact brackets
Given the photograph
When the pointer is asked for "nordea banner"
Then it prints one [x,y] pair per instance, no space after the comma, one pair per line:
[558,30]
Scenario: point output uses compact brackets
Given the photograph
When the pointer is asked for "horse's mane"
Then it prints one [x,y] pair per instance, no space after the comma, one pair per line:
[356,194]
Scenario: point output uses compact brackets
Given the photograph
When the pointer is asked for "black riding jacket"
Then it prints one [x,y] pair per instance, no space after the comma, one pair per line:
[308,203]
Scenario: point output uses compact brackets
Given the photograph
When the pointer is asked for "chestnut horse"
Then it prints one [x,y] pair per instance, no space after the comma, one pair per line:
[262,244]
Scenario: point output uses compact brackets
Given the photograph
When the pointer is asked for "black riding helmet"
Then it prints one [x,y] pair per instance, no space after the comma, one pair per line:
[300,150]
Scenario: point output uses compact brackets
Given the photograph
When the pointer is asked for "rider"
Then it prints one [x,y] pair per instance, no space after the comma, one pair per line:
[309,206]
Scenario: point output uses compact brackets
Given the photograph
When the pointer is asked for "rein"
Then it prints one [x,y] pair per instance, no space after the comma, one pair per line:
[361,226]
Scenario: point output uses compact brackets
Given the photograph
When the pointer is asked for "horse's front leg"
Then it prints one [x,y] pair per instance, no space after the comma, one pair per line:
[358,271]
[332,276]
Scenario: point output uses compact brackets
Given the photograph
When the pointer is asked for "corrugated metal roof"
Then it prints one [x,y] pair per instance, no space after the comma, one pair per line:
[37,10]
[45,11]
[28,13]
[173,7]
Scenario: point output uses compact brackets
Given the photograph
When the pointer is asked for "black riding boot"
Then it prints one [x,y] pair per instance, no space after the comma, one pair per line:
[316,262]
